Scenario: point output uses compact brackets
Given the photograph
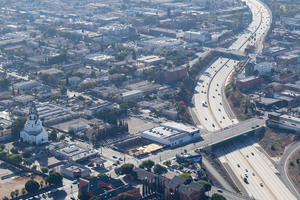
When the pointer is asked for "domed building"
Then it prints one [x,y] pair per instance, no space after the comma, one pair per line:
[34,132]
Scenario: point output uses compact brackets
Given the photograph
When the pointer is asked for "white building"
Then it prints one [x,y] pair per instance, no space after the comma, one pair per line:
[201,36]
[34,132]
[172,134]
[264,67]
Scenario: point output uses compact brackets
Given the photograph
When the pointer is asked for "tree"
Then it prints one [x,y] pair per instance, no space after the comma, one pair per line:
[4,83]
[2,147]
[44,169]
[188,177]
[126,196]
[148,164]
[62,137]
[54,178]
[167,162]
[5,198]
[26,153]
[84,196]
[71,132]
[206,185]
[126,168]
[17,126]
[267,78]
[14,150]
[15,158]
[159,169]
[93,74]
[17,192]
[41,183]
[23,191]
[63,90]
[53,135]
[12,194]
[32,186]
[216,196]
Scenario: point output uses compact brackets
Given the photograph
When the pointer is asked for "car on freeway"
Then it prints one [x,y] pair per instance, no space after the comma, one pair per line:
[238,165]
[115,164]
[247,156]
[74,182]
[219,190]
[246,170]
[115,157]
[261,185]
[213,125]
[252,153]
[253,173]
[246,175]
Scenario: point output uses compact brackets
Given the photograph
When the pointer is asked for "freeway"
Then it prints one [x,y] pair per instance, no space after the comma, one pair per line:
[247,161]
[283,165]
[210,105]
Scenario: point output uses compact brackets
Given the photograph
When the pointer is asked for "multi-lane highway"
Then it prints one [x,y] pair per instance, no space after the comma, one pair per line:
[211,109]
[246,160]
[211,112]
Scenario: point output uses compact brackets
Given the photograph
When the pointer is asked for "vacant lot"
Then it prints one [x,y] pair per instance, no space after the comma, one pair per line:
[17,182]
[274,141]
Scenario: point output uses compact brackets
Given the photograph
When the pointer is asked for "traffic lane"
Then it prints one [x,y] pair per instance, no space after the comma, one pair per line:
[239,166]
[270,179]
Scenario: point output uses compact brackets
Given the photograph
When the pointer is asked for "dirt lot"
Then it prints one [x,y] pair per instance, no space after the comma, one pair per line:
[11,184]
[274,141]
[294,169]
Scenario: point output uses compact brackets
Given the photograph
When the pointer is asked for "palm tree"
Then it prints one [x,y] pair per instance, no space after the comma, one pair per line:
[16,192]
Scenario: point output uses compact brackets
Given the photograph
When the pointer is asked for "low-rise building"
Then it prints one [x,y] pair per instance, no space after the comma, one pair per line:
[131,95]
[77,127]
[26,85]
[151,60]
[74,171]
[172,134]
[106,187]
[94,109]
[201,36]
[97,58]
[249,82]
[5,135]
[72,152]
[264,67]
[175,74]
